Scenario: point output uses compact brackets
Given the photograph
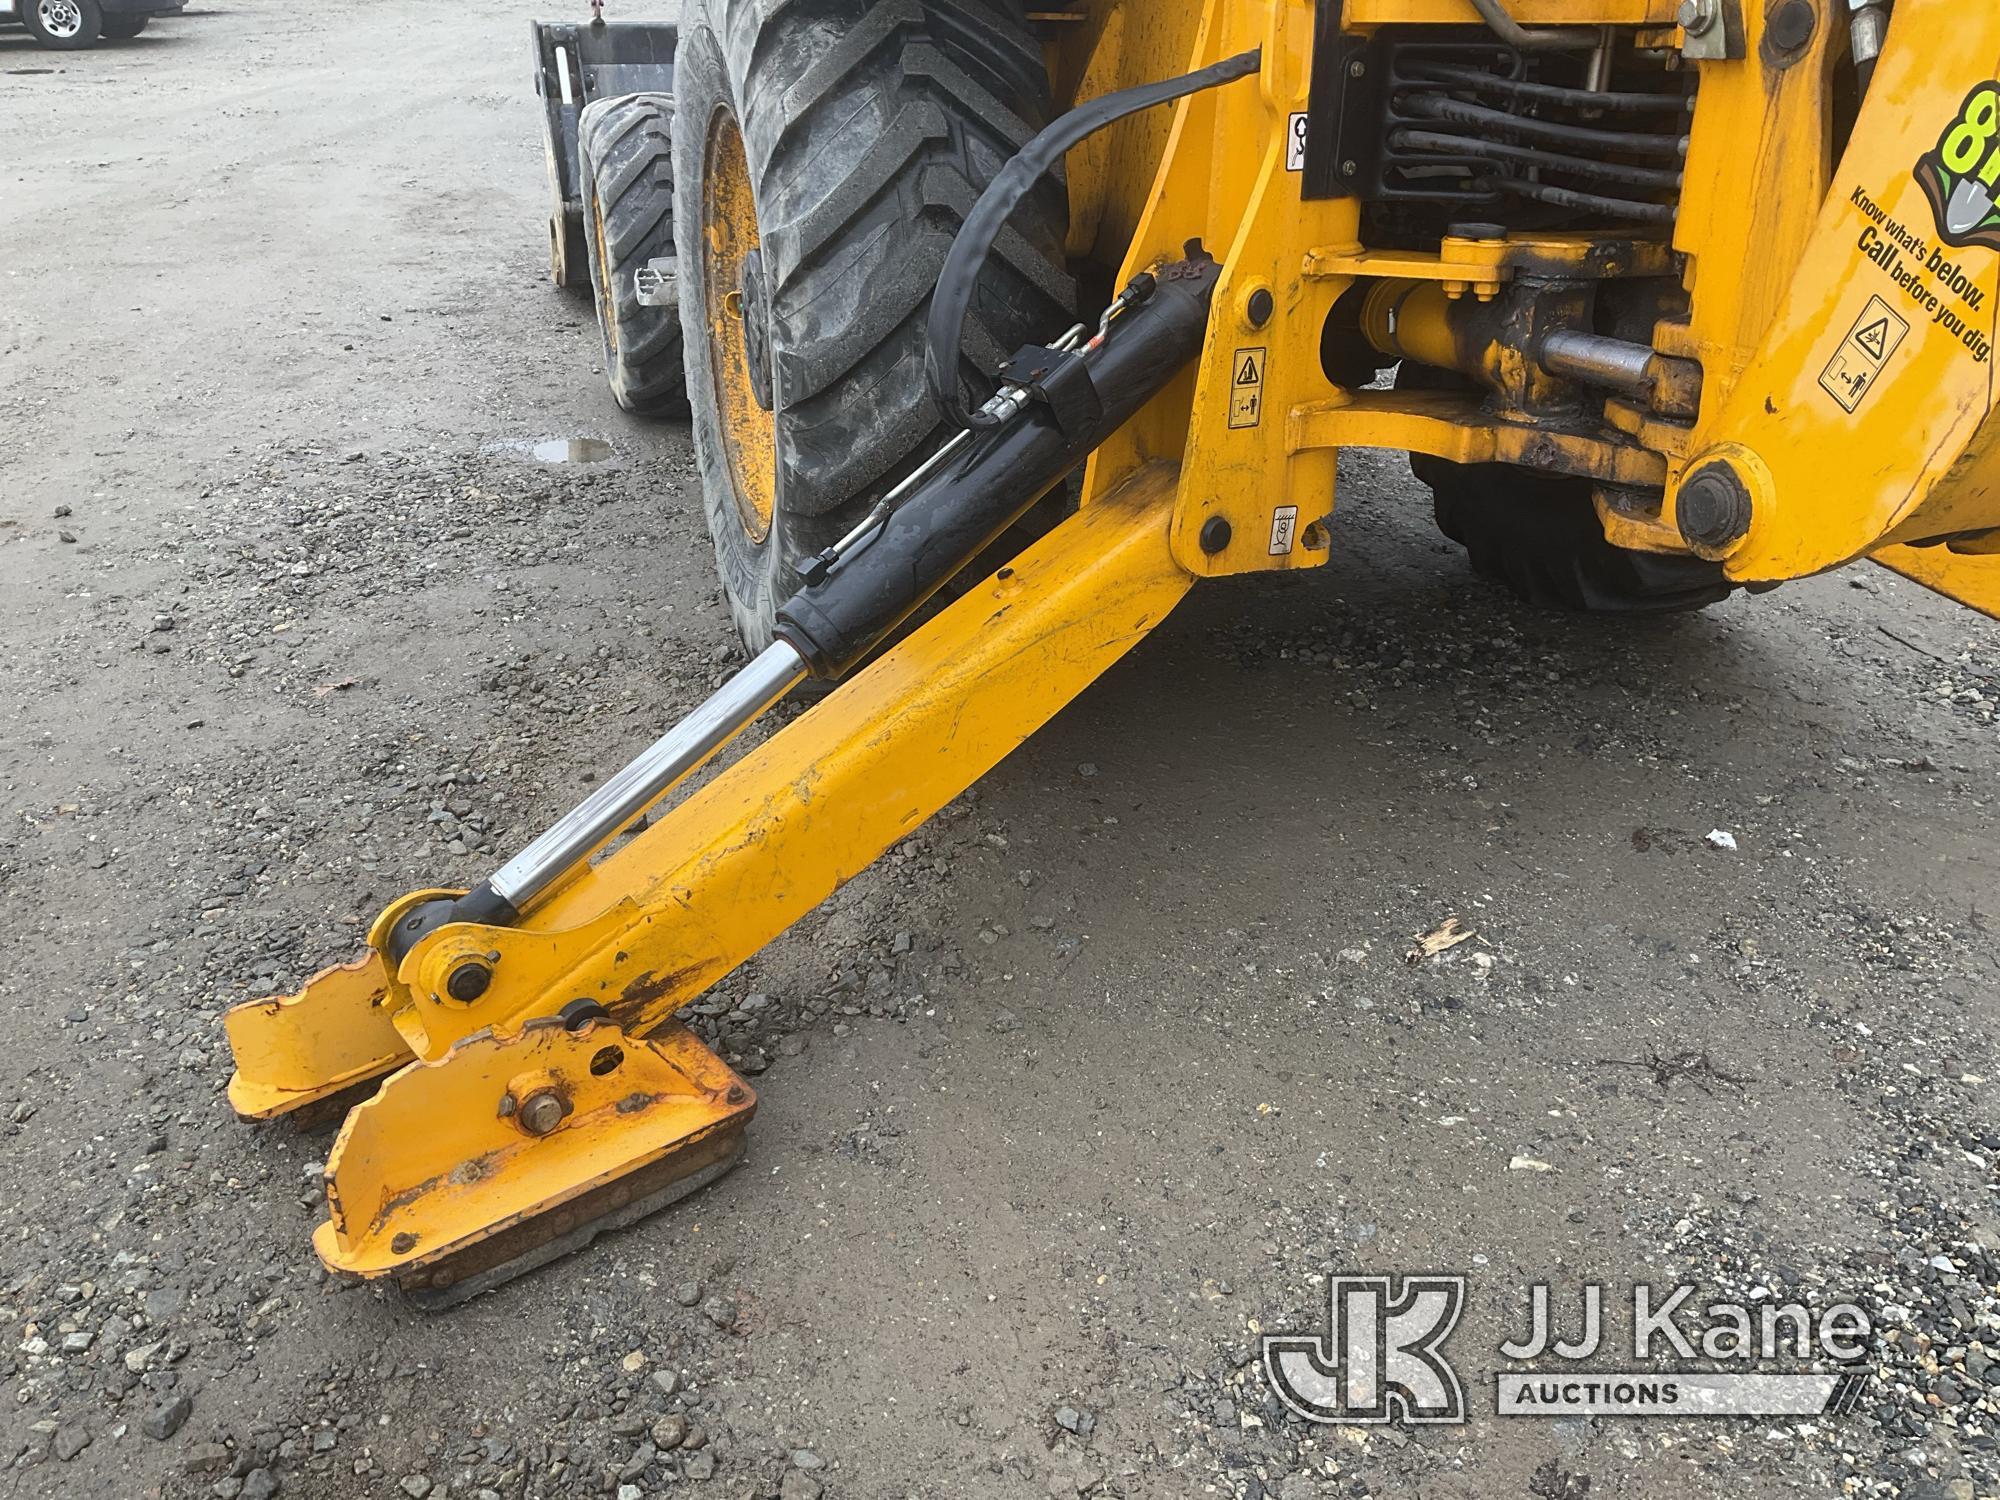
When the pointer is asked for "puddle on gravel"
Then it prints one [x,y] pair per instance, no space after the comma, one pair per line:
[583,450]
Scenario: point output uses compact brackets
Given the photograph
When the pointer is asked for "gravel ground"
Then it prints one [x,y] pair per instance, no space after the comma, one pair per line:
[1065,1101]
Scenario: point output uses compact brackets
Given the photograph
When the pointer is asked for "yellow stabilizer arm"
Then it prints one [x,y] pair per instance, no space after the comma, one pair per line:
[656,922]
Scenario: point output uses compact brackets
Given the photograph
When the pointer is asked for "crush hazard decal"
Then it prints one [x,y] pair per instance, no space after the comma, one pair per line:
[1961,174]
[1851,373]
[1246,388]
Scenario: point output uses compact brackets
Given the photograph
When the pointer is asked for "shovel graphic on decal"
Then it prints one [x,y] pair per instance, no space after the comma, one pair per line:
[1970,206]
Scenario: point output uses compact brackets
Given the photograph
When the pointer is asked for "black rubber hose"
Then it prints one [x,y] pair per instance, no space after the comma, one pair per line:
[1593,203]
[960,276]
[1648,178]
[1549,93]
[1514,34]
[1529,41]
[1582,137]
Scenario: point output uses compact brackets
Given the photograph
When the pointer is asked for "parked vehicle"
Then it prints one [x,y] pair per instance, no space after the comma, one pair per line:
[73,25]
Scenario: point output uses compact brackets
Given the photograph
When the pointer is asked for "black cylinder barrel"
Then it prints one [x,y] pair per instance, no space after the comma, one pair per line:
[956,513]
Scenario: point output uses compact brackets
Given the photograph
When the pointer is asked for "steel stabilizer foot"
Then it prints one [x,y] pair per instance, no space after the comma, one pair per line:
[295,1050]
[512,1150]
[336,1034]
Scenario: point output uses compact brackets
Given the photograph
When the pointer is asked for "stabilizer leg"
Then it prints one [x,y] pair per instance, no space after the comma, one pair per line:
[1970,577]
[337,1033]
[503,1145]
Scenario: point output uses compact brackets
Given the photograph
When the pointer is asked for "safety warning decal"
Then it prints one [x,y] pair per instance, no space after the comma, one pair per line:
[1948,294]
[1857,364]
[1246,388]
[1284,528]
[1295,141]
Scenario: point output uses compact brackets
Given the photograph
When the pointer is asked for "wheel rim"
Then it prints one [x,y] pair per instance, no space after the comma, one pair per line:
[607,307]
[729,240]
[60,18]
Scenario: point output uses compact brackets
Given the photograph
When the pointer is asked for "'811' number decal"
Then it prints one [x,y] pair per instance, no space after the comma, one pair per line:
[1961,174]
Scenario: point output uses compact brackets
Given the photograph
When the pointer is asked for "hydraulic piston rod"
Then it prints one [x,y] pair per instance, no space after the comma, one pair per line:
[1057,404]
[572,837]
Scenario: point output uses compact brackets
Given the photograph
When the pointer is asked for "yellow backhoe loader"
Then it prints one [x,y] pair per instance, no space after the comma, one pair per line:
[1664,298]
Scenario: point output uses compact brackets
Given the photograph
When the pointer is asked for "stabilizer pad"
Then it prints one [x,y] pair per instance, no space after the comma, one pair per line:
[510,1151]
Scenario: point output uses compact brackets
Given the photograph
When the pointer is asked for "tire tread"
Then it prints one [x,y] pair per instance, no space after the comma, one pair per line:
[626,144]
[871,127]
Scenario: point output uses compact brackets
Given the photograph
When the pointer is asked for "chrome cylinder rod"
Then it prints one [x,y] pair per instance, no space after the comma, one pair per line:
[1596,360]
[578,833]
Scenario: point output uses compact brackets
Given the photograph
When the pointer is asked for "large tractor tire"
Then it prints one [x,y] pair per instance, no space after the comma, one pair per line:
[1537,534]
[626,145]
[825,154]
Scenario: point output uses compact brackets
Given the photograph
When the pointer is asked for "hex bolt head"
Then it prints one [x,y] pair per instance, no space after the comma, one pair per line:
[1215,534]
[468,980]
[1713,508]
[1696,16]
[541,1112]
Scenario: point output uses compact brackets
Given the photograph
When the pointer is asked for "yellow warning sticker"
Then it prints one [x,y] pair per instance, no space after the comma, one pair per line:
[1246,388]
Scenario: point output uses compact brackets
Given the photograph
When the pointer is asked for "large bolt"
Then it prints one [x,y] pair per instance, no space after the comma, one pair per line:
[1713,508]
[541,1112]
[1790,26]
[1697,16]
[468,980]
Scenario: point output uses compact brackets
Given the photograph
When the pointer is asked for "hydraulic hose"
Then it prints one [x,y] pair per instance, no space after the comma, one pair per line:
[974,242]
[975,496]
[1514,34]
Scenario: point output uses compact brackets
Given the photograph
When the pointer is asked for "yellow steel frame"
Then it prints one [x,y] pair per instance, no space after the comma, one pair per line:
[1918,457]
[1219,174]
[1770,243]
[1970,577]
[496,1113]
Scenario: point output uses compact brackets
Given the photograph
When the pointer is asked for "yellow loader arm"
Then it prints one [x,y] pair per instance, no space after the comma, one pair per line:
[1864,421]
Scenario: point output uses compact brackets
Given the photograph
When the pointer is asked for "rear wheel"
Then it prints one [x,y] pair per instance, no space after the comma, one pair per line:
[124,28]
[64,25]
[628,218]
[824,157]
[1538,534]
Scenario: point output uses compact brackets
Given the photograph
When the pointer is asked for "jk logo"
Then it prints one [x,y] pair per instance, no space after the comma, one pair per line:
[1379,1359]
